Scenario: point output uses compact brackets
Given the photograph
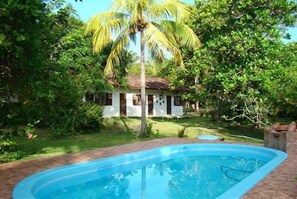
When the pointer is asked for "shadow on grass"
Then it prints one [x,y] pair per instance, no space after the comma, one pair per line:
[205,123]
[115,133]
[44,146]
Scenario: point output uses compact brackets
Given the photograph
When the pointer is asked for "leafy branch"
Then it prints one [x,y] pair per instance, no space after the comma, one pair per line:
[253,109]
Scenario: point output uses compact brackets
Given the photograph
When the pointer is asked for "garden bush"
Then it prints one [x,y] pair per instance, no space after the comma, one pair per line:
[181,132]
[149,131]
[86,116]
[8,148]
[90,117]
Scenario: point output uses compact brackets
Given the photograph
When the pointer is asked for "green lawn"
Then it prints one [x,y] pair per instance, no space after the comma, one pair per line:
[114,133]
[204,125]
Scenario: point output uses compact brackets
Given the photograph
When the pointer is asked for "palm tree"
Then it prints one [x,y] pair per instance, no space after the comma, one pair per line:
[160,24]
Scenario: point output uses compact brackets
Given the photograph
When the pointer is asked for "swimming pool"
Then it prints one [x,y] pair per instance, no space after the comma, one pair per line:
[179,171]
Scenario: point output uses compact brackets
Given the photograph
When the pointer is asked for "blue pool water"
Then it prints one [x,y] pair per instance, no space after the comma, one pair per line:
[208,137]
[180,171]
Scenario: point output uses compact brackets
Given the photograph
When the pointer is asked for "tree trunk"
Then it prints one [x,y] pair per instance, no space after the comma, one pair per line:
[219,110]
[143,98]
[196,91]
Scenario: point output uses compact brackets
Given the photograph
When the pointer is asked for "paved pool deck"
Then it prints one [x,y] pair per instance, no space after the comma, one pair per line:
[280,184]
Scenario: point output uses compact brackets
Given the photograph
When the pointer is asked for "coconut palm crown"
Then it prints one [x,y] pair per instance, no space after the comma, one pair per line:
[160,24]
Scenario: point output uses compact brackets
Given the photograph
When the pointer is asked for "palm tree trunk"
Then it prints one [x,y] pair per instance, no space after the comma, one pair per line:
[143,99]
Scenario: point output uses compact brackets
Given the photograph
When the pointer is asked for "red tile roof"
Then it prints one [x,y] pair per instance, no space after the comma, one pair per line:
[154,83]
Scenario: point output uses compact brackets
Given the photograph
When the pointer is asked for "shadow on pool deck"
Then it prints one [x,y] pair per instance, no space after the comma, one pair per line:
[280,183]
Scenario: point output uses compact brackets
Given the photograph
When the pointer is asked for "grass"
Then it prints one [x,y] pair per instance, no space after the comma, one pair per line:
[44,146]
[115,133]
[203,125]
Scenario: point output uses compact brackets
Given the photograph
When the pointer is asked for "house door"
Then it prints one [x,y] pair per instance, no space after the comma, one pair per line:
[123,104]
[168,105]
[150,104]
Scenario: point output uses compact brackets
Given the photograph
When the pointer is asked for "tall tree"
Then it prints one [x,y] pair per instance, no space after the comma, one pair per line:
[39,55]
[21,38]
[280,82]
[160,25]
[241,40]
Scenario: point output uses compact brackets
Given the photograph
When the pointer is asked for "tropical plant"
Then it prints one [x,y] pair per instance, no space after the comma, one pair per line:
[47,66]
[182,132]
[21,47]
[242,52]
[160,25]
[280,82]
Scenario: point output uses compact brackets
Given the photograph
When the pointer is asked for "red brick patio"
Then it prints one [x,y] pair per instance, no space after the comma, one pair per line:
[280,183]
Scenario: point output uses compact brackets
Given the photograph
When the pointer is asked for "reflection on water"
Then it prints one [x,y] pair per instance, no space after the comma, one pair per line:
[186,177]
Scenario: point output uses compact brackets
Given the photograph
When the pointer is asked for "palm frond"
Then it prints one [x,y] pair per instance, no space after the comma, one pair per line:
[180,33]
[160,20]
[157,42]
[186,36]
[169,9]
[157,54]
[168,29]
[99,19]
[116,50]
[123,5]
[105,26]
[133,37]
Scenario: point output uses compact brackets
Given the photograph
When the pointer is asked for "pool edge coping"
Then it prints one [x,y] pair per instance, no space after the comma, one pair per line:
[188,144]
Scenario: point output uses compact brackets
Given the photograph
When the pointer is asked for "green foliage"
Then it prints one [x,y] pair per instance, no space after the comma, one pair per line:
[58,133]
[188,109]
[84,69]
[6,144]
[29,130]
[252,108]
[182,132]
[149,132]
[48,84]
[11,156]
[280,81]
[154,69]
[160,25]
[90,117]
[240,53]
[125,124]
[9,150]
[149,129]
[114,134]
[29,32]
[22,52]
[80,118]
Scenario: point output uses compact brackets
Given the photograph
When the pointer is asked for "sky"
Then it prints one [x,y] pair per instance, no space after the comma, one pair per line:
[88,8]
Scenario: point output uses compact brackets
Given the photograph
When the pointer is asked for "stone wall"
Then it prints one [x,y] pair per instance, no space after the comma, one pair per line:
[281,137]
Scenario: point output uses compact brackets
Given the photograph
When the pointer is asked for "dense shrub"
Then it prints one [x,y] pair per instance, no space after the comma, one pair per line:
[90,117]
[8,148]
[85,117]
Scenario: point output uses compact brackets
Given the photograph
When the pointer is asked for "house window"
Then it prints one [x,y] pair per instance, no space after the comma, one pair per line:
[108,99]
[90,97]
[136,99]
[101,99]
[104,99]
[178,101]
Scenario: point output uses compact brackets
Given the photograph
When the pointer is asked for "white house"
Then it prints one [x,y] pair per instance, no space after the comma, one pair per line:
[160,101]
